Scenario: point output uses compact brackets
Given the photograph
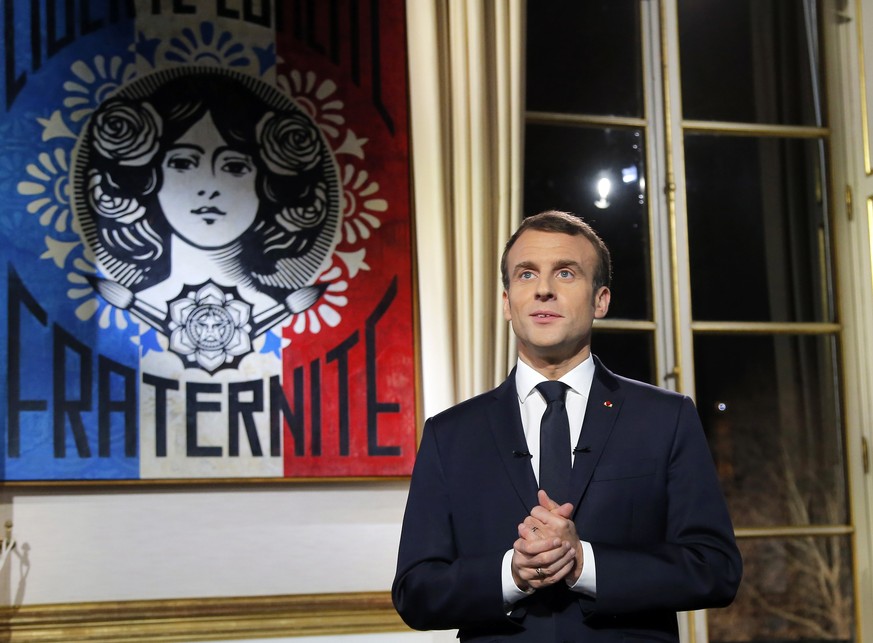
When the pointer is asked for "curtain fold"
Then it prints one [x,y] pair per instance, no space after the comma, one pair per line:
[465,86]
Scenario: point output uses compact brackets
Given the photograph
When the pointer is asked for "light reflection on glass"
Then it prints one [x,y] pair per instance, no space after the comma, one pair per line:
[604,185]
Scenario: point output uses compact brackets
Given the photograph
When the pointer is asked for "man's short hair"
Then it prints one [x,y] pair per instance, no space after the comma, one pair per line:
[566,223]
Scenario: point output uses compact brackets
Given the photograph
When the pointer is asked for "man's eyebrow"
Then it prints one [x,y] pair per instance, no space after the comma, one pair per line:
[555,265]
[560,264]
[568,263]
[524,265]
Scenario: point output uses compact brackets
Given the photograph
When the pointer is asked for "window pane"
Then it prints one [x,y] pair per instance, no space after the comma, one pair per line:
[769,405]
[757,229]
[793,589]
[563,168]
[583,56]
[749,61]
[627,353]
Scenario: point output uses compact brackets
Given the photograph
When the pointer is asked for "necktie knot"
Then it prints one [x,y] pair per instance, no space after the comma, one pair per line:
[552,390]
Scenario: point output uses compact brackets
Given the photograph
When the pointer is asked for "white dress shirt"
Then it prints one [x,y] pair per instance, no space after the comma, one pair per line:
[532,406]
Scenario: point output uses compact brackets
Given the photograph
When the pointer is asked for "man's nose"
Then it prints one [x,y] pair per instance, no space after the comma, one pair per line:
[545,289]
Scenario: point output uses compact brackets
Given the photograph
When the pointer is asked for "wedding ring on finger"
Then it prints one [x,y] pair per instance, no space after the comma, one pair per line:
[540,572]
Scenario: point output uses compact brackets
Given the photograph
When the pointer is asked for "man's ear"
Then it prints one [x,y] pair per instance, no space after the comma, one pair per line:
[507,314]
[601,302]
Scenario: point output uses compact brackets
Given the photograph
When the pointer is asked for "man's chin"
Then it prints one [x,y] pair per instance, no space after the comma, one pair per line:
[555,354]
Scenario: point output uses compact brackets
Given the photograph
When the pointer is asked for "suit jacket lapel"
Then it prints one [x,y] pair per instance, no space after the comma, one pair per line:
[601,412]
[504,421]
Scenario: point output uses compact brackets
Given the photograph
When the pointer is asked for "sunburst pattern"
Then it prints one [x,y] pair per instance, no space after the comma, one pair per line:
[360,205]
[94,82]
[317,99]
[205,46]
[327,311]
[49,187]
[90,305]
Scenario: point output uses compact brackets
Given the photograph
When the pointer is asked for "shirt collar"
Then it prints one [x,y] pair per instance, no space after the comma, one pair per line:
[579,379]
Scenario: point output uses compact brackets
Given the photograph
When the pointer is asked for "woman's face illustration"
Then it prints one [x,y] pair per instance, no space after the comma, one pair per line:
[208,194]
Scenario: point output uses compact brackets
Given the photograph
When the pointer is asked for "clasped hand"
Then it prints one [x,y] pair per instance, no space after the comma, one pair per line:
[548,549]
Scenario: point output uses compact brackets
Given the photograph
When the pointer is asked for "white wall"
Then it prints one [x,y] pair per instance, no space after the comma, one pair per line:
[81,545]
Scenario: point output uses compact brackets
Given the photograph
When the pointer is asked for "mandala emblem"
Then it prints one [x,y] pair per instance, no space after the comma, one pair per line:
[210,327]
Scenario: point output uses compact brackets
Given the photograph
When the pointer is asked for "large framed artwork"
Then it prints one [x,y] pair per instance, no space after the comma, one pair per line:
[207,267]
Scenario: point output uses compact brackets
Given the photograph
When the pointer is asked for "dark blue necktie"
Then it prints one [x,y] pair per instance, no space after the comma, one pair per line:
[555,461]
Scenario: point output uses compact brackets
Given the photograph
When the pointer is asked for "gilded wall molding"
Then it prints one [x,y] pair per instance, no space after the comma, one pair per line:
[202,619]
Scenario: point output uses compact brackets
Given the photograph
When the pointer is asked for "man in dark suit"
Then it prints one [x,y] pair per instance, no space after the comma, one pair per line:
[631,525]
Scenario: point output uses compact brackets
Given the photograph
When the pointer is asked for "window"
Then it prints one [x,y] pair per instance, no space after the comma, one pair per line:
[692,135]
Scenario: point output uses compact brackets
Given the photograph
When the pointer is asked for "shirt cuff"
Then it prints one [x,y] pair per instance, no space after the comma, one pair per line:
[511,593]
[587,582]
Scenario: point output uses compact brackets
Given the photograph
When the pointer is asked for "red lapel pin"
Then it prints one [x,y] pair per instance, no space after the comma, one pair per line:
[607,404]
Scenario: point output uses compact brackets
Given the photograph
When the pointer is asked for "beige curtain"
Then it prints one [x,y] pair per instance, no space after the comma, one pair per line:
[466,88]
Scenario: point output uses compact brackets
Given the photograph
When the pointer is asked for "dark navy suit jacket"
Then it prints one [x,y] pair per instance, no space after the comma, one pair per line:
[646,497]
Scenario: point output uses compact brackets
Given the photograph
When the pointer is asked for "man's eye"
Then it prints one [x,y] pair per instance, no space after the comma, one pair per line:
[565,274]
[527,274]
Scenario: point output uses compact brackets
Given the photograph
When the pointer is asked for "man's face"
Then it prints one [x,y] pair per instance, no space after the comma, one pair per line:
[551,301]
